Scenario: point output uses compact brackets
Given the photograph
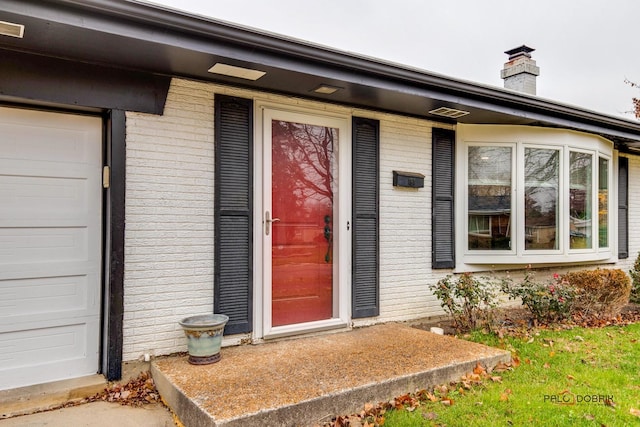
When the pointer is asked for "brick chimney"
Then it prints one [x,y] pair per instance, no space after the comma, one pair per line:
[520,72]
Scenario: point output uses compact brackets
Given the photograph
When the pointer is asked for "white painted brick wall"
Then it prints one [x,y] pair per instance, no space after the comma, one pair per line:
[169,217]
[405,222]
[634,213]
[169,220]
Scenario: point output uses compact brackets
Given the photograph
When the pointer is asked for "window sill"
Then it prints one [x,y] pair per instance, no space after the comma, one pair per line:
[491,261]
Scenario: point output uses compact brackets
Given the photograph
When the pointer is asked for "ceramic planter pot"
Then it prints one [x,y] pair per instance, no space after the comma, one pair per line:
[204,337]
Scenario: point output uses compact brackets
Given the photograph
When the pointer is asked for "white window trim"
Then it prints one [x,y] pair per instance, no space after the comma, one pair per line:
[520,137]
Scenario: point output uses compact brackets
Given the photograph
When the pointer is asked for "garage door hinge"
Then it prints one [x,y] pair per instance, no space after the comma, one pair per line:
[106,176]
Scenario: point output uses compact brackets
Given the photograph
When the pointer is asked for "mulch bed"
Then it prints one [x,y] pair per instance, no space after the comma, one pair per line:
[511,318]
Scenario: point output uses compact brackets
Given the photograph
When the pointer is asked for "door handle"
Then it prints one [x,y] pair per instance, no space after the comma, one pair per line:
[267,222]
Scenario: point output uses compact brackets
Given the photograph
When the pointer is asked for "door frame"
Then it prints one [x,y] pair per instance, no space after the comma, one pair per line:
[264,113]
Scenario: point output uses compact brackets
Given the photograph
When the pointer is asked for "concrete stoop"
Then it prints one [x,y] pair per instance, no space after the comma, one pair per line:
[307,381]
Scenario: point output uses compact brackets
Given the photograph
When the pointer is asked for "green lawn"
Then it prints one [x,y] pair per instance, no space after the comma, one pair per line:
[577,377]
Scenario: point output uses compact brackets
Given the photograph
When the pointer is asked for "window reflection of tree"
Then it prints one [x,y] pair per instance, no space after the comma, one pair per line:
[306,172]
[580,194]
[542,176]
[489,204]
[580,185]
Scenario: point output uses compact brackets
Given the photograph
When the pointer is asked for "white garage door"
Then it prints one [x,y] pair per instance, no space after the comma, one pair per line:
[50,246]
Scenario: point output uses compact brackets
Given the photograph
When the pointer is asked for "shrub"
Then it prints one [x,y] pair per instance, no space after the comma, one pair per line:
[547,302]
[635,279]
[601,292]
[468,299]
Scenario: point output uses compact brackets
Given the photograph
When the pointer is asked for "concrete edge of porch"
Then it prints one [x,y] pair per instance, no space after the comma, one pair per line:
[42,397]
[191,407]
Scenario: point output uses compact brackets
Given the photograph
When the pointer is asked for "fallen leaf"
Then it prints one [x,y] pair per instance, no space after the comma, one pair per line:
[447,402]
[546,366]
[589,417]
[479,369]
[501,367]
[496,379]
[635,412]
[430,416]
[505,395]
[552,353]
[609,402]
[516,361]
[432,397]
[570,377]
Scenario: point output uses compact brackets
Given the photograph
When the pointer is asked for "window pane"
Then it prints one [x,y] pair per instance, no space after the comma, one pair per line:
[489,203]
[541,179]
[580,196]
[603,202]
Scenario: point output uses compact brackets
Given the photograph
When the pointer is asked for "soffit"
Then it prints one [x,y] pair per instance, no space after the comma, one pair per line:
[141,37]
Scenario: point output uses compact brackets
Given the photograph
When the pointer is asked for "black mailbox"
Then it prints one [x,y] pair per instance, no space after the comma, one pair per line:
[408,179]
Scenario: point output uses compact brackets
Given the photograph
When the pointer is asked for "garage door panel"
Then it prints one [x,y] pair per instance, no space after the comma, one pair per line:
[25,354]
[50,245]
[49,269]
[40,345]
[44,295]
[29,140]
[42,196]
[43,244]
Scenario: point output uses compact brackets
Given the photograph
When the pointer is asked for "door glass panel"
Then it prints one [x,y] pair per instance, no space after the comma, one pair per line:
[580,196]
[303,164]
[541,194]
[489,203]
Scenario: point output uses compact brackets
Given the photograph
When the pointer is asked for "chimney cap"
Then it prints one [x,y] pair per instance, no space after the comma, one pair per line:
[523,50]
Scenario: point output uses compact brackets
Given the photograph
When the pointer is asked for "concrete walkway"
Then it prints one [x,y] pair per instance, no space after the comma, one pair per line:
[96,414]
[306,381]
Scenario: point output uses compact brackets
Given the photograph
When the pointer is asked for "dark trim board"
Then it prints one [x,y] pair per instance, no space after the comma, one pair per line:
[114,290]
[40,78]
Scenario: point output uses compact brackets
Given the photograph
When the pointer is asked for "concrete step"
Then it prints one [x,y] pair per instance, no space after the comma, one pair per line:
[308,380]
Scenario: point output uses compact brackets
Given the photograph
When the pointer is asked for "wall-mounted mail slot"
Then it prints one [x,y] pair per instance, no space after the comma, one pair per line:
[408,179]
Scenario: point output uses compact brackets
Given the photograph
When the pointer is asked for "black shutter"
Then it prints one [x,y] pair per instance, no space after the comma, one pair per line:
[365,264]
[233,274]
[442,221]
[623,207]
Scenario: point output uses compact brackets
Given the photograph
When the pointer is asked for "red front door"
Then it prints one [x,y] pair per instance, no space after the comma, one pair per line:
[301,222]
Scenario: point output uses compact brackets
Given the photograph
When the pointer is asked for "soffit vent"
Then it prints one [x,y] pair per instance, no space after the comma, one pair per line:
[11,29]
[451,113]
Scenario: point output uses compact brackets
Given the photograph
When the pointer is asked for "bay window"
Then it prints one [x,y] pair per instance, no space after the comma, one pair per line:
[532,195]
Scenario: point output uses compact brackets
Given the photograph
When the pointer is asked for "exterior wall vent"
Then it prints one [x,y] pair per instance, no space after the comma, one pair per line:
[451,113]
[11,29]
